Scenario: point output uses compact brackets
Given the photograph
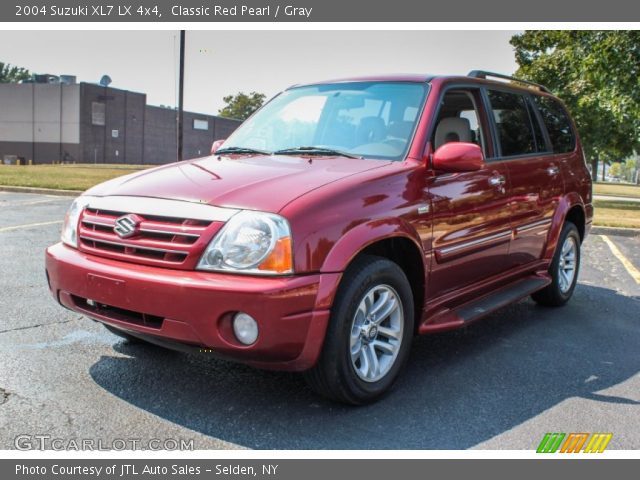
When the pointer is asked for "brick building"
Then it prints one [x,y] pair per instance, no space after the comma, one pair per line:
[88,123]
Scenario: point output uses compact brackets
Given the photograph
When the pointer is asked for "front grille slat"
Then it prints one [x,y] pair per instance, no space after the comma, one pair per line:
[101,223]
[164,241]
[169,232]
[134,242]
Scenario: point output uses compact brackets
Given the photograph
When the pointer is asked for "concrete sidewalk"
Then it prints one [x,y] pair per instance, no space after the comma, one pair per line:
[616,198]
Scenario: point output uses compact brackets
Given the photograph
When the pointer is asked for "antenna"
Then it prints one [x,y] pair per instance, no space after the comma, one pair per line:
[105,81]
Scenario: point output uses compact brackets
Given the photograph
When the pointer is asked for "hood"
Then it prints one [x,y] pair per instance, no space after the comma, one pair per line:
[258,182]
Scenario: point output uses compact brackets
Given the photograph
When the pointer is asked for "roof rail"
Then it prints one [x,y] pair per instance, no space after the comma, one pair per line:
[483,74]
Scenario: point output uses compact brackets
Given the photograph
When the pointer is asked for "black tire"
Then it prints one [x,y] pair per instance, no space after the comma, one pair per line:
[553,295]
[334,376]
[122,334]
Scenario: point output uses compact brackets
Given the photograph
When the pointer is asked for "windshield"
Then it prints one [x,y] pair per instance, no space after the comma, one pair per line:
[361,119]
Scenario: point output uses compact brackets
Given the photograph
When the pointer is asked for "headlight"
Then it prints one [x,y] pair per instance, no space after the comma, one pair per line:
[70,225]
[251,242]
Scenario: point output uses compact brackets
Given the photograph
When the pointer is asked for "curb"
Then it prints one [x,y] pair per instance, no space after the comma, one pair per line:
[616,198]
[623,232]
[42,191]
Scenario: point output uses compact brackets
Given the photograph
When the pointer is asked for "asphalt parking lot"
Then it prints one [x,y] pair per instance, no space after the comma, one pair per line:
[501,383]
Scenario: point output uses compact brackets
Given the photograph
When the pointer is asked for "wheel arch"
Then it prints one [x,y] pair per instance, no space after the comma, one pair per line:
[391,239]
[576,215]
[571,208]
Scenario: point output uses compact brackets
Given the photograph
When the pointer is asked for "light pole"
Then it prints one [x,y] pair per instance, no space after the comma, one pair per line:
[181,97]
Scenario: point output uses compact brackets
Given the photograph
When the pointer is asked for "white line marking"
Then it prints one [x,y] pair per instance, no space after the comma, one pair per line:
[30,202]
[28,225]
[631,269]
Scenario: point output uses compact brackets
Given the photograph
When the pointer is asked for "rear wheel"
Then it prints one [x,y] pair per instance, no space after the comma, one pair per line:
[369,334]
[564,269]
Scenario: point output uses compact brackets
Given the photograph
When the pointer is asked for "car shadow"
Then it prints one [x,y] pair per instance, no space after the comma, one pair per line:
[460,388]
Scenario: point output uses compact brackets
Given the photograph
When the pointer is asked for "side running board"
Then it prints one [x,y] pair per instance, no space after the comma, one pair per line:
[480,307]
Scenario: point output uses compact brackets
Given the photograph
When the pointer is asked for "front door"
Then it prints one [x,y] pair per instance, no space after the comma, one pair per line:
[471,224]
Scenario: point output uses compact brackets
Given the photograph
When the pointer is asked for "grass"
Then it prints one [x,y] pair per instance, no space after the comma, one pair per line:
[616,189]
[616,213]
[62,177]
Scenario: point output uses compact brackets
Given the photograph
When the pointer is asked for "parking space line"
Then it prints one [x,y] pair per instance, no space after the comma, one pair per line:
[631,269]
[29,202]
[28,225]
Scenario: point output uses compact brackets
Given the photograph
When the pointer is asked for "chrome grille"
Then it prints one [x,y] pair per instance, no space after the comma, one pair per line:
[159,240]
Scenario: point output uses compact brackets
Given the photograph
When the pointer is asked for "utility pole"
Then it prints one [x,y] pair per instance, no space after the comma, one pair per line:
[181,98]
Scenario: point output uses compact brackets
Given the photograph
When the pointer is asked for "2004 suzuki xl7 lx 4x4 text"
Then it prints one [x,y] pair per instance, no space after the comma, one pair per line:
[338,221]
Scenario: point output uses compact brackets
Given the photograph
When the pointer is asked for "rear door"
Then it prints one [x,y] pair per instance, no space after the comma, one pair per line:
[535,176]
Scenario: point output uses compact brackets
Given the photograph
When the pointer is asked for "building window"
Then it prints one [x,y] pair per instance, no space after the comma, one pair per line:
[98,113]
[200,124]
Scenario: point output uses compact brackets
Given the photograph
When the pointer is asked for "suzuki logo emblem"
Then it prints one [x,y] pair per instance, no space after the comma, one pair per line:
[127,226]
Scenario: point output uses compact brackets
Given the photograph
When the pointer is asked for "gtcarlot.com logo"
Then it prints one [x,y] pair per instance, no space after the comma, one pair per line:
[47,442]
[574,442]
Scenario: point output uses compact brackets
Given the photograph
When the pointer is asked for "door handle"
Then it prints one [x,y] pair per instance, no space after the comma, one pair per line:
[496,180]
[553,170]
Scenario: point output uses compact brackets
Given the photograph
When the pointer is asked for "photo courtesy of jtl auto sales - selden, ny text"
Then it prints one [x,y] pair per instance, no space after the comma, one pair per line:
[311,239]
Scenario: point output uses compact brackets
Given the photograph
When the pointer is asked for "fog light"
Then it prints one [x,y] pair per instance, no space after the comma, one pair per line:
[245,328]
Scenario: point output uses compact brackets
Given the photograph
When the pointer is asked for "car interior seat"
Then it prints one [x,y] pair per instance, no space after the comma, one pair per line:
[453,129]
[371,130]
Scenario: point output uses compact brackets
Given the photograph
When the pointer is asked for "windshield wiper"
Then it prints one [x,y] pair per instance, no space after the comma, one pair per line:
[240,150]
[311,150]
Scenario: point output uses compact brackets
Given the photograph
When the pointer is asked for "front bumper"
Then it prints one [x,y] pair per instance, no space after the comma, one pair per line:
[195,308]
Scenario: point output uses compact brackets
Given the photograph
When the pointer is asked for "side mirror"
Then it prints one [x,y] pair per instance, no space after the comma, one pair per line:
[216,145]
[458,157]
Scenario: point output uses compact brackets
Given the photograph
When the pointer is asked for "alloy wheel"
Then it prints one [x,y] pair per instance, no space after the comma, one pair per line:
[567,264]
[376,333]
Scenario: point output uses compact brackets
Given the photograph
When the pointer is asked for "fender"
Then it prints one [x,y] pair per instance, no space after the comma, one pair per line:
[566,203]
[363,235]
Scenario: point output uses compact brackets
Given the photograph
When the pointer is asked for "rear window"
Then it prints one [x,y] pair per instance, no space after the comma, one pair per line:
[558,124]
[513,122]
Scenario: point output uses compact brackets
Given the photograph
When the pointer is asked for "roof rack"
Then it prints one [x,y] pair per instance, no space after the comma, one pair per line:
[483,74]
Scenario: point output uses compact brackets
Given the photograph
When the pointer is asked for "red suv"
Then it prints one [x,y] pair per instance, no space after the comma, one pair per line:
[340,220]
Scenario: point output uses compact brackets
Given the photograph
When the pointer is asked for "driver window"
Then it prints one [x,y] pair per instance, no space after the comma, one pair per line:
[459,120]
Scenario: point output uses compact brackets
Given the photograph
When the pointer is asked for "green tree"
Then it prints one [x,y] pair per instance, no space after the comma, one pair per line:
[629,169]
[12,74]
[597,75]
[615,170]
[241,105]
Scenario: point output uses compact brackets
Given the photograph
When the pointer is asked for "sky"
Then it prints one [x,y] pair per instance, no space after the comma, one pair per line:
[219,63]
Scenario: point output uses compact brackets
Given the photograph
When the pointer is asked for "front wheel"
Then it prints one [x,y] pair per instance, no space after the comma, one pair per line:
[564,269]
[369,334]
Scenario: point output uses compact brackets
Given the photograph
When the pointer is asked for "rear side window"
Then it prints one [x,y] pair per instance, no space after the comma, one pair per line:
[513,122]
[541,144]
[558,124]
